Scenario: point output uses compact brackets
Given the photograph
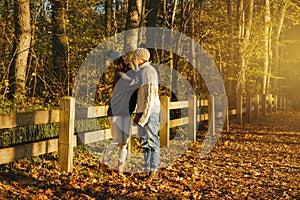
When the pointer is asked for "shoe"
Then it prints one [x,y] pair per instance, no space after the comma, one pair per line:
[152,174]
[104,167]
[144,173]
[121,166]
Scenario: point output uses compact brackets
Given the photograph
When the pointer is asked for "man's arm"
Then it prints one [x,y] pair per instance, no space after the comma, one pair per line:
[150,91]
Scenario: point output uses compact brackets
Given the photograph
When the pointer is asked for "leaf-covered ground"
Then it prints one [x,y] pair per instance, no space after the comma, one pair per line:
[257,161]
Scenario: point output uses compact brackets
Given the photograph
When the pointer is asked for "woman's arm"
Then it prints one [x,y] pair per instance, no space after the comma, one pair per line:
[131,79]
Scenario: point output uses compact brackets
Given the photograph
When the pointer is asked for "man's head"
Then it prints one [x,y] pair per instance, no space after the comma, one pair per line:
[140,56]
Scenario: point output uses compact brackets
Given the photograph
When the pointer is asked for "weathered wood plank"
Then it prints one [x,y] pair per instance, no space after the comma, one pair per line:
[66,133]
[219,114]
[27,150]
[202,117]
[97,111]
[239,108]
[10,154]
[232,112]
[28,118]
[249,102]
[91,112]
[203,102]
[164,121]
[192,118]
[178,104]
[93,136]
[212,115]
[98,135]
[179,122]
[270,103]
[256,106]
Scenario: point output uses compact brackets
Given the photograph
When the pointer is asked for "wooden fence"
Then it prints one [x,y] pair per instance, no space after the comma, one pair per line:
[247,108]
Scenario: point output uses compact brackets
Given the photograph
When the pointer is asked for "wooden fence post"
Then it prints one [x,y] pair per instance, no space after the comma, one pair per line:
[192,118]
[280,103]
[239,108]
[249,107]
[264,102]
[165,121]
[284,103]
[256,106]
[227,126]
[212,116]
[66,133]
[270,100]
[289,104]
[275,102]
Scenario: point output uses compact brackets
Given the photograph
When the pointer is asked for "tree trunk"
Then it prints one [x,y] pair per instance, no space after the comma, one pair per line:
[108,15]
[60,45]
[231,65]
[241,34]
[270,57]
[267,20]
[141,37]
[192,45]
[132,24]
[171,57]
[5,44]
[276,47]
[249,20]
[21,47]
[245,27]
[152,19]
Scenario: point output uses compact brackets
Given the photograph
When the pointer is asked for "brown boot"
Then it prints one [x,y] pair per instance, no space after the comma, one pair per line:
[103,166]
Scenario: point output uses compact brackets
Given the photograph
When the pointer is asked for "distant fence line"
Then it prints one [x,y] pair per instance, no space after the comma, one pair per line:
[246,110]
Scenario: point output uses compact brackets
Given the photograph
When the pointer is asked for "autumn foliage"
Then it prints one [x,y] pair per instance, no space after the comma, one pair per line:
[252,161]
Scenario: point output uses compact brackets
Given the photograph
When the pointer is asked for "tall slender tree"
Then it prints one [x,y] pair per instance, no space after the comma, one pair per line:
[267,35]
[277,34]
[230,64]
[132,23]
[192,44]
[245,20]
[21,47]
[152,7]
[108,17]
[241,31]
[60,45]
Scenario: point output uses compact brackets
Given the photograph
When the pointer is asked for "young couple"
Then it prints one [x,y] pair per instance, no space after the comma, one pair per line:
[125,99]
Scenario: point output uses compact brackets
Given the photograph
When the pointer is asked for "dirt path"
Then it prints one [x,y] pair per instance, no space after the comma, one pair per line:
[257,161]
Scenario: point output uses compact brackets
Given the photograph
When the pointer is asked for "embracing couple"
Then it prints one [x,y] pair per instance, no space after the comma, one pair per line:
[135,88]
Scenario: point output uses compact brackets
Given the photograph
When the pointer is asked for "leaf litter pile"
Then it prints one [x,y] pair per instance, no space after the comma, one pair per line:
[260,160]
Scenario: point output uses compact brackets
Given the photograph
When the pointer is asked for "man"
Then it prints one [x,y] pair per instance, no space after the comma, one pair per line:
[148,108]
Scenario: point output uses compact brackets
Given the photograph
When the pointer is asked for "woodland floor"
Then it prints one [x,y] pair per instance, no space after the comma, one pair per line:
[260,160]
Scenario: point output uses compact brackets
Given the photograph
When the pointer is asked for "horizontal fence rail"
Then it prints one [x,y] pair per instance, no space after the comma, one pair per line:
[28,118]
[246,109]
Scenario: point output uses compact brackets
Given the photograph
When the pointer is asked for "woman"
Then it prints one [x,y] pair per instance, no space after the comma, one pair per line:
[120,108]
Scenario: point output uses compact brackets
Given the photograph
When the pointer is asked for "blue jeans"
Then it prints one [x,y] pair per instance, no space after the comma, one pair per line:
[150,142]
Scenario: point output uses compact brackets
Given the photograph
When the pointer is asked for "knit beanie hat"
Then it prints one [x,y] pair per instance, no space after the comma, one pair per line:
[142,53]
